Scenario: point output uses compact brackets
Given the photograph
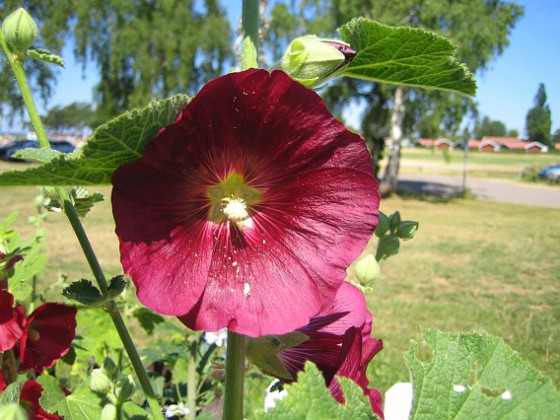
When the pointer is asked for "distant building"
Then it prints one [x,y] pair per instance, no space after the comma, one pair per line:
[440,143]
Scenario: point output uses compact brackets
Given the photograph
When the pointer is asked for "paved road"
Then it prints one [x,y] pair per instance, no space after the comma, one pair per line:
[484,189]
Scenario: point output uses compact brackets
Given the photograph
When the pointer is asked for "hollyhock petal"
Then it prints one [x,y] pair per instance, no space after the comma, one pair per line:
[29,400]
[12,323]
[9,265]
[49,334]
[255,199]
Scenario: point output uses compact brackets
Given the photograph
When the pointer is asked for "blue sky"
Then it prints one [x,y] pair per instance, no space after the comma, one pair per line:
[505,91]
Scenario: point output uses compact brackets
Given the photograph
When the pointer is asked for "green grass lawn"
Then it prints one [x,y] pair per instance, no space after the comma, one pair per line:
[503,164]
[473,265]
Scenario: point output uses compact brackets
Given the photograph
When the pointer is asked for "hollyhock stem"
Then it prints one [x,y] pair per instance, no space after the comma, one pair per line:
[17,67]
[235,358]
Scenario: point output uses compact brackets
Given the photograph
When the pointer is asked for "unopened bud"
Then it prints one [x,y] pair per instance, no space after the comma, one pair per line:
[311,60]
[387,247]
[383,225]
[100,382]
[20,30]
[125,388]
[407,229]
[395,219]
[367,270]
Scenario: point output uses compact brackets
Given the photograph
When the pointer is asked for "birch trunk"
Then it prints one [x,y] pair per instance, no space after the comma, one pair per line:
[390,181]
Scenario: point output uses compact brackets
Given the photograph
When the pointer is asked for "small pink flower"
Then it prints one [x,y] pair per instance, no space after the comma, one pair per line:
[246,212]
[48,336]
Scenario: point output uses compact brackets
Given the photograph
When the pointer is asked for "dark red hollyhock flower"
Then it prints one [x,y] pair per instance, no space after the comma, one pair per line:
[339,343]
[12,322]
[48,336]
[246,212]
[29,400]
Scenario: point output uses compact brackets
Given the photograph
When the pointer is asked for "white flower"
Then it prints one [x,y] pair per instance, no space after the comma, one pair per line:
[273,396]
[176,410]
[217,337]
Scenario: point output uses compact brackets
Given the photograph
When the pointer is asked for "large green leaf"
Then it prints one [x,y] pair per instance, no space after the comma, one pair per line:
[112,145]
[309,398]
[404,55]
[477,376]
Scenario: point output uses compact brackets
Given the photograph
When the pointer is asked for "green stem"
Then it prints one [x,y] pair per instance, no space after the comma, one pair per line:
[250,34]
[235,377]
[191,388]
[235,357]
[16,62]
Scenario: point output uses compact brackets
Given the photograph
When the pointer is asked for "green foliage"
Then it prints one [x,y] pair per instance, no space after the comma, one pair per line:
[82,200]
[539,122]
[82,404]
[310,398]
[488,127]
[45,55]
[120,141]
[477,376]
[404,55]
[72,118]
[11,394]
[84,292]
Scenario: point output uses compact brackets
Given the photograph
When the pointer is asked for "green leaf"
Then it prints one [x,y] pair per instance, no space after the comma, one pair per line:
[131,411]
[147,318]
[33,263]
[12,411]
[42,154]
[45,55]
[309,398]
[120,141]
[477,375]
[404,56]
[83,291]
[11,392]
[116,286]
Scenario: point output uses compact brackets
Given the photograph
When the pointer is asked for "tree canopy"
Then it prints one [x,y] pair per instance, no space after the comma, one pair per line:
[539,121]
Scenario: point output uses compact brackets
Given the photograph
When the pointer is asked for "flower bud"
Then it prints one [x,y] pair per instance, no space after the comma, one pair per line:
[100,382]
[383,225]
[367,270]
[125,388]
[387,246]
[407,229]
[20,30]
[310,60]
[395,219]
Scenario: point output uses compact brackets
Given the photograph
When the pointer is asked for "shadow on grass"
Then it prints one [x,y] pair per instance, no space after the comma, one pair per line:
[432,192]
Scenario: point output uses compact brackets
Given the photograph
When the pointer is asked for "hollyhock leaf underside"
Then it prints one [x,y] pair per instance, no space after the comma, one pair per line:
[477,375]
[307,207]
[310,398]
[120,141]
[406,56]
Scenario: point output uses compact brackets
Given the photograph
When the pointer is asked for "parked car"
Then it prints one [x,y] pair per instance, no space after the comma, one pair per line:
[552,173]
[8,150]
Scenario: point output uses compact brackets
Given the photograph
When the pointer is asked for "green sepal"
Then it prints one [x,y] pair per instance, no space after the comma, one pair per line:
[82,200]
[263,352]
[45,55]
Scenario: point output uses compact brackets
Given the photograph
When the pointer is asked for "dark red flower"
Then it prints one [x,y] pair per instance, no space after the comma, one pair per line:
[246,212]
[48,336]
[12,322]
[339,343]
[29,400]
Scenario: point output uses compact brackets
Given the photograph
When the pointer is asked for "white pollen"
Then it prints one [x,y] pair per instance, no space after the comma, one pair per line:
[506,395]
[246,289]
[236,210]
[459,388]
[234,263]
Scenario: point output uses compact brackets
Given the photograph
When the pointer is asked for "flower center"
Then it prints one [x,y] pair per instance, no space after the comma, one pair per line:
[231,199]
[33,335]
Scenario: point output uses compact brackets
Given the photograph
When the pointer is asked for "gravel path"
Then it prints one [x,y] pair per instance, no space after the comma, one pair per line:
[484,189]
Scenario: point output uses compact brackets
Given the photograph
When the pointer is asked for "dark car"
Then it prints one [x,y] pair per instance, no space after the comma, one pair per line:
[8,150]
[552,173]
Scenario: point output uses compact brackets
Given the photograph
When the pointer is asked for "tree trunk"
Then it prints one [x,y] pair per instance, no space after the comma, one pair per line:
[390,180]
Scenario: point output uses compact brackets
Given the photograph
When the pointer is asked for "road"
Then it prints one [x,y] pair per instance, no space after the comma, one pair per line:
[484,189]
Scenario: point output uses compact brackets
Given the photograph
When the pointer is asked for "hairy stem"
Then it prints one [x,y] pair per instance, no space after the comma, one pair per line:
[16,63]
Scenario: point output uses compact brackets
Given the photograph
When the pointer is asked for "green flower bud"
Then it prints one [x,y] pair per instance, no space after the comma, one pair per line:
[20,30]
[125,388]
[110,368]
[387,247]
[395,219]
[382,226]
[367,270]
[100,382]
[109,412]
[310,60]
[407,229]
